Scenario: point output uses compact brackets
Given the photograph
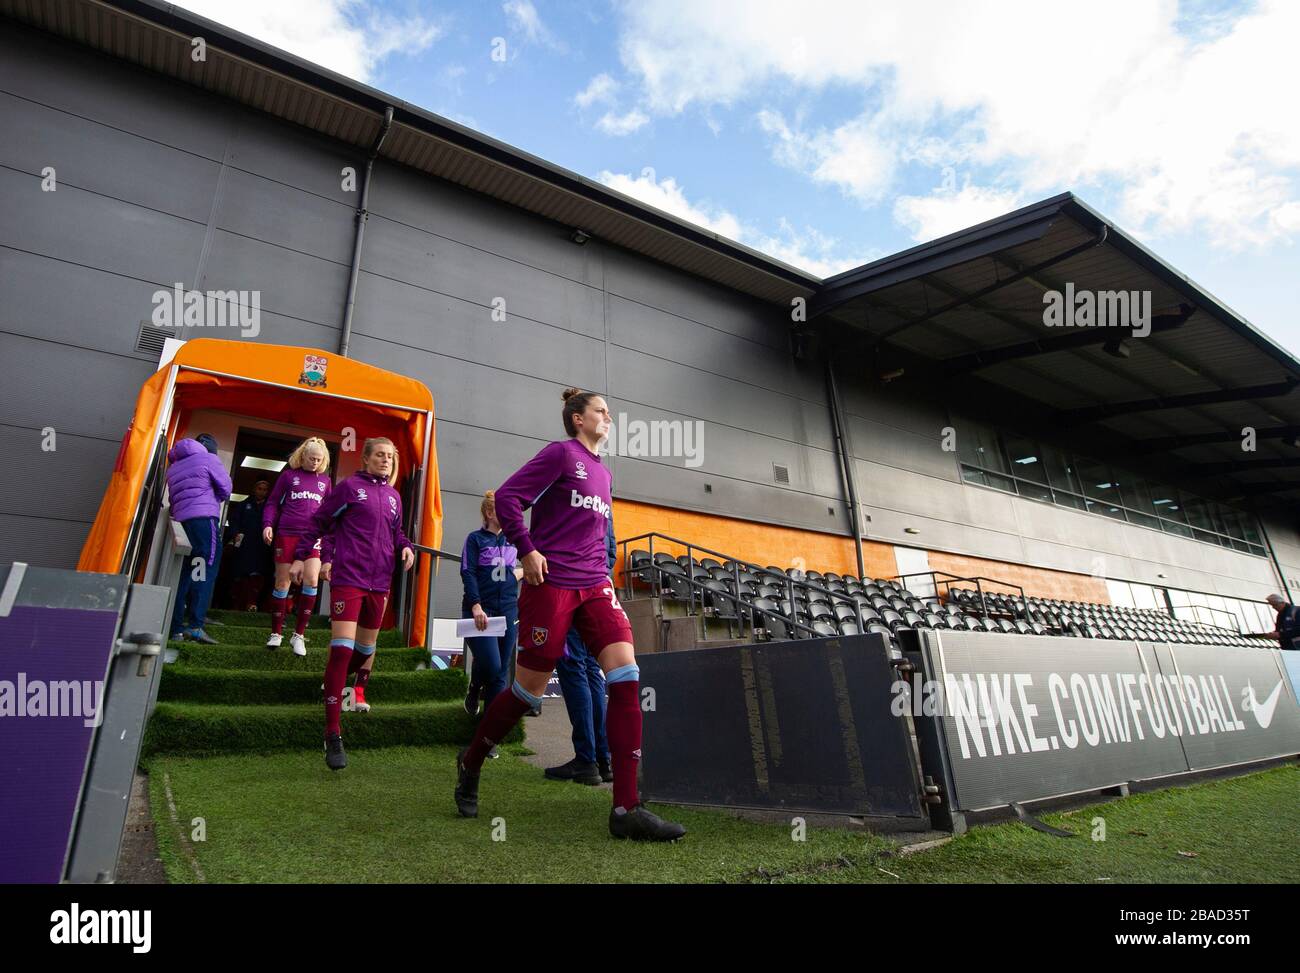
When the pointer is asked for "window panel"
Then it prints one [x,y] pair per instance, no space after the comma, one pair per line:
[1120,593]
[1144,596]
[978,445]
[1025,457]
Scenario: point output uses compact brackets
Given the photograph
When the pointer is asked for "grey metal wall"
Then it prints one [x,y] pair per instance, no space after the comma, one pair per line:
[160,183]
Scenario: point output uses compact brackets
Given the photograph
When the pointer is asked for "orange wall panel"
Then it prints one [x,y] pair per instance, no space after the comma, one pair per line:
[1037,582]
[762,544]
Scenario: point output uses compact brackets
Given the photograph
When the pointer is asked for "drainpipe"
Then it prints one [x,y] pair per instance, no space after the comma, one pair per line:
[362,215]
[846,458]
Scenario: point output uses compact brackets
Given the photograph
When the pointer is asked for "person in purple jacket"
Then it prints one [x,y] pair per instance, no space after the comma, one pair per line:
[197,485]
[568,586]
[294,500]
[360,524]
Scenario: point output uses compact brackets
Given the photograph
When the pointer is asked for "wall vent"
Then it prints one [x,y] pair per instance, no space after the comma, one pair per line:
[152,338]
[780,473]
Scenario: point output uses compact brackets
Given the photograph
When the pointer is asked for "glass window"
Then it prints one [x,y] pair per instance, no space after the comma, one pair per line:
[1144,596]
[1201,518]
[1060,470]
[978,446]
[1099,485]
[1120,593]
[1034,491]
[1026,458]
[1036,471]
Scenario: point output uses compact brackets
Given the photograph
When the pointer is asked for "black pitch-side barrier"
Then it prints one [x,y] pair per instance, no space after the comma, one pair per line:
[1004,720]
[803,726]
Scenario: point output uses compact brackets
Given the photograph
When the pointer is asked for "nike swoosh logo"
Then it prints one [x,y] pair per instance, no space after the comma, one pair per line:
[1264,711]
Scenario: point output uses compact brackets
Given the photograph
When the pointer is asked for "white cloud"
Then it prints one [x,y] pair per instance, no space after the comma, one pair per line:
[524,19]
[350,37]
[856,156]
[1190,121]
[614,124]
[599,91]
[806,249]
[946,211]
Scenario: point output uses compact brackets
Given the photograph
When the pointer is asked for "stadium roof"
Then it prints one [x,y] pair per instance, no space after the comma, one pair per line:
[967,310]
[1183,394]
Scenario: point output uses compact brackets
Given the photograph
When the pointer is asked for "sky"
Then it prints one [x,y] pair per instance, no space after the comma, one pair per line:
[828,133]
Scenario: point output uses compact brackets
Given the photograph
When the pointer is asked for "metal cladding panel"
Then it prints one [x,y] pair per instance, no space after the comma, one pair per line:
[420,318]
[689,297]
[97,231]
[797,726]
[449,213]
[272,212]
[37,385]
[82,307]
[291,283]
[646,329]
[671,440]
[683,489]
[688,391]
[1248,690]
[399,252]
[71,475]
[96,158]
[43,69]
[1026,718]
[43,541]
[463,389]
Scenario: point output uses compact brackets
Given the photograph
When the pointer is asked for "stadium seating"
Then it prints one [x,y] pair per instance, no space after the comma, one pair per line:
[781,603]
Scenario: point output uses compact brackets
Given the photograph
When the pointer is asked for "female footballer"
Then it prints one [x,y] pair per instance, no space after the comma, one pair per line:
[568,586]
[360,524]
[286,515]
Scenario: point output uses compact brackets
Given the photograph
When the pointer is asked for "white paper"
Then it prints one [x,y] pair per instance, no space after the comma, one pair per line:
[465,628]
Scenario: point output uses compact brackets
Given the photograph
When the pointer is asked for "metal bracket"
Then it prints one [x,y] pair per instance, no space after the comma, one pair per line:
[147,645]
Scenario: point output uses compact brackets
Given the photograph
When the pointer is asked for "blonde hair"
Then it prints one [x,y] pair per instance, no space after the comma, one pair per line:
[295,458]
[369,447]
[489,504]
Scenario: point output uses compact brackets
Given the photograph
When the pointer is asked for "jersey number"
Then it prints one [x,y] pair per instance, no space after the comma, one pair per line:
[613,599]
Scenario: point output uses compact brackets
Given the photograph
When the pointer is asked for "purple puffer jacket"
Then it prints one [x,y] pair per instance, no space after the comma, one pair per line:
[197,483]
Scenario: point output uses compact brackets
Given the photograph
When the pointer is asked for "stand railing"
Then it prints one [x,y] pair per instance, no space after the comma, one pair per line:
[950,579]
[435,555]
[740,607]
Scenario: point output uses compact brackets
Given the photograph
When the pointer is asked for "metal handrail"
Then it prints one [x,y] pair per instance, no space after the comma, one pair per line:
[434,556]
[785,579]
[740,606]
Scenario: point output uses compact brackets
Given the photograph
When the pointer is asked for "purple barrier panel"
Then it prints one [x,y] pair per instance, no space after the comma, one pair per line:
[53,663]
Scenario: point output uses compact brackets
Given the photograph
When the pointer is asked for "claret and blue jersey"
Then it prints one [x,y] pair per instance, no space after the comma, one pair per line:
[568,488]
[361,519]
